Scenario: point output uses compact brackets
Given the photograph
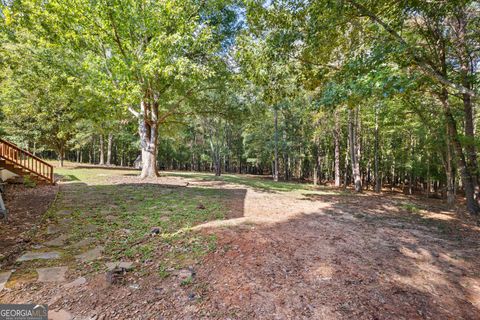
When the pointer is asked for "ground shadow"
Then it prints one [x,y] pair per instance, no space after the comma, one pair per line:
[336,265]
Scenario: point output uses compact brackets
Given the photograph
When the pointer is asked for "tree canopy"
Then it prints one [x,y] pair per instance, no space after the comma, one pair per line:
[373,94]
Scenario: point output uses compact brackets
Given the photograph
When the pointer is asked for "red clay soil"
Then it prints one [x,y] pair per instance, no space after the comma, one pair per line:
[25,209]
[297,256]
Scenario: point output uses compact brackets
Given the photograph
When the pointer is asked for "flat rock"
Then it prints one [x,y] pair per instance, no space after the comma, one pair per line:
[57,242]
[39,255]
[53,274]
[127,265]
[90,255]
[91,228]
[66,221]
[64,212]
[59,315]
[4,276]
[76,282]
[52,229]
[83,243]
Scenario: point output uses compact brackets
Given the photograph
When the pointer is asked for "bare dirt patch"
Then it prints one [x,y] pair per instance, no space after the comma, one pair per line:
[315,254]
[25,209]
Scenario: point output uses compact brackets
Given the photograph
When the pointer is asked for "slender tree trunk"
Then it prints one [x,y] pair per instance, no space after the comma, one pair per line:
[354,149]
[275,166]
[94,149]
[378,180]
[109,149]
[218,165]
[317,165]
[410,173]
[428,176]
[345,179]
[100,149]
[61,155]
[336,138]
[450,173]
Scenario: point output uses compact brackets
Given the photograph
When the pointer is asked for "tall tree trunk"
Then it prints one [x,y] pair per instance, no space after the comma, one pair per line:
[317,165]
[336,138]
[61,154]
[347,152]
[354,148]
[148,132]
[428,176]
[286,160]
[378,180]
[94,149]
[217,163]
[215,148]
[410,173]
[466,78]
[468,181]
[275,166]
[450,172]
[100,149]
[109,149]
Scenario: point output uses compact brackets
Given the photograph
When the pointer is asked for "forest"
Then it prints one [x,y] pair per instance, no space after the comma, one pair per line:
[374,94]
[240,159]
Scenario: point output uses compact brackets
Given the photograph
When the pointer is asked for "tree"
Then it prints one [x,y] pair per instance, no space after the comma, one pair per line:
[157,54]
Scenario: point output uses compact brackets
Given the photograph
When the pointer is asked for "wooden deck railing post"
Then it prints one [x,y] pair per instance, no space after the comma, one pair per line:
[25,160]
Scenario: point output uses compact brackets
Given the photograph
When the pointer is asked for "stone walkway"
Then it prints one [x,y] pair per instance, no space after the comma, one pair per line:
[53,274]
[52,252]
[59,274]
[4,276]
[39,255]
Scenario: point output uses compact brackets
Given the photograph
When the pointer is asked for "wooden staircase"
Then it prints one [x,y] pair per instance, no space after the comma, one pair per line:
[23,163]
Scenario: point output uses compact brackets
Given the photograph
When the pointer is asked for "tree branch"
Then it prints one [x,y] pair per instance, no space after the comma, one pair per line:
[134,112]
[418,60]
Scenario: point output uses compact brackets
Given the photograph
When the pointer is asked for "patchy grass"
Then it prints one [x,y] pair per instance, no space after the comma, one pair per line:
[256,182]
[410,207]
[121,217]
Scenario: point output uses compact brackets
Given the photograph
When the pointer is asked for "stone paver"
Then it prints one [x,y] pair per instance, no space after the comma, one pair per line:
[57,242]
[77,282]
[83,243]
[52,229]
[91,228]
[64,212]
[127,265]
[39,255]
[59,315]
[90,255]
[65,222]
[4,276]
[53,274]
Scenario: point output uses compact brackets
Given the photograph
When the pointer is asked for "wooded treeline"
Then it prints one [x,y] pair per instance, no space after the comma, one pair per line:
[368,94]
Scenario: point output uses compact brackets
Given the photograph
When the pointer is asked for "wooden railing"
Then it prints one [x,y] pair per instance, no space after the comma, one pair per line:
[26,160]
